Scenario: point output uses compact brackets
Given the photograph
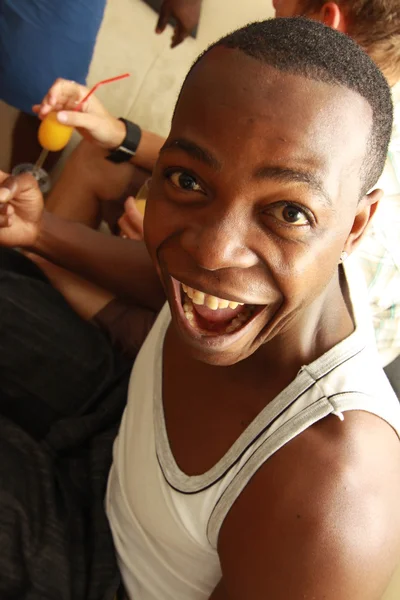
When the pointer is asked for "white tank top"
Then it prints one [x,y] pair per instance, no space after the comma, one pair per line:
[165,524]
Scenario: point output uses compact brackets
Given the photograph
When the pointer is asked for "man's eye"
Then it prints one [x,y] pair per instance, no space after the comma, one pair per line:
[185,181]
[290,214]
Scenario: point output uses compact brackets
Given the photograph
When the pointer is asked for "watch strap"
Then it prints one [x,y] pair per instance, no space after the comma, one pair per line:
[127,150]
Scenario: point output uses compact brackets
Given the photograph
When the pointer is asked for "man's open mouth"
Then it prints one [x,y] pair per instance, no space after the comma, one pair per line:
[214,316]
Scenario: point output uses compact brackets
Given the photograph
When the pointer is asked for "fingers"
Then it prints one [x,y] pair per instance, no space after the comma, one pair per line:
[6,215]
[6,210]
[15,185]
[131,222]
[63,94]
[80,120]
[17,190]
[128,231]
[39,260]
[165,15]
[133,213]
[130,206]
[179,35]
[3,176]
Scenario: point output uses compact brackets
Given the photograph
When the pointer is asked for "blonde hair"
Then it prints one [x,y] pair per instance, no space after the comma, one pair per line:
[375,25]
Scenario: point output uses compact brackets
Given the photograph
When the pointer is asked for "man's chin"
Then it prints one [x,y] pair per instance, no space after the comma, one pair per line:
[225,357]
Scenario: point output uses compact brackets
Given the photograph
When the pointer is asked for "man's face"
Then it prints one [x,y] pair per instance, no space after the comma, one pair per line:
[252,200]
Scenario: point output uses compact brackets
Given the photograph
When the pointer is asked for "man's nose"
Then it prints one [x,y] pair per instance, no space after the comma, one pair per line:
[219,244]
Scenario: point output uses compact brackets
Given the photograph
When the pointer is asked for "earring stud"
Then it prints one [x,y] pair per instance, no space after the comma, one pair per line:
[343,256]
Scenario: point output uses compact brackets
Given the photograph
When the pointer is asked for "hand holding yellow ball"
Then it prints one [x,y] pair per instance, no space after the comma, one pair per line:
[54,136]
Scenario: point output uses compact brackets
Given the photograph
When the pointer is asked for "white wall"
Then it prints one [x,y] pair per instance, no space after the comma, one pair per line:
[222,16]
[127,43]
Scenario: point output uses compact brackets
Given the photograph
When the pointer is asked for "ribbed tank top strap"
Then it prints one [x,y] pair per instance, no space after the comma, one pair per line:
[335,405]
[284,434]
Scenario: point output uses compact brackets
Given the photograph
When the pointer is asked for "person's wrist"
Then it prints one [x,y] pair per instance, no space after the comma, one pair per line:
[117,136]
[43,226]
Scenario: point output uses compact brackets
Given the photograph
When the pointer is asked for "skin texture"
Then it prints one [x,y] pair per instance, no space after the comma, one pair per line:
[285,8]
[228,237]
[90,188]
[85,298]
[91,254]
[330,13]
[320,519]
[86,183]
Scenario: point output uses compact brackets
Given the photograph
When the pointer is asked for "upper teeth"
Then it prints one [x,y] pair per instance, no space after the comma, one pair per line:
[200,298]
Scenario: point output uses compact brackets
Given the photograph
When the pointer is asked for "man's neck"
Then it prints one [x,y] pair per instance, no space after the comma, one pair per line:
[319,327]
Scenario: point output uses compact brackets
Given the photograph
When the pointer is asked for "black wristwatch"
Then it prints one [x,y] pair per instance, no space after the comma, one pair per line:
[129,146]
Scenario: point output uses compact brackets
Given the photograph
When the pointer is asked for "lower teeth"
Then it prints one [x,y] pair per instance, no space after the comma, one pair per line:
[235,324]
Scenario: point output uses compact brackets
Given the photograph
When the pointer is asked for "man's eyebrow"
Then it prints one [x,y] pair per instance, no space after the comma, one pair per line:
[193,150]
[292,175]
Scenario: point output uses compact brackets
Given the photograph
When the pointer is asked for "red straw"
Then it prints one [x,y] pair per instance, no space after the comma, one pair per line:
[94,88]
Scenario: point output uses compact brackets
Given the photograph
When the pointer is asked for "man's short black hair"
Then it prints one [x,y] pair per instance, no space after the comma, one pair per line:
[304,47]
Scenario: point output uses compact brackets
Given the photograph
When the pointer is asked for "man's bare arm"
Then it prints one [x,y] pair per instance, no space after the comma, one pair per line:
[319,520]
[95,122]
[148,150]
[121,266]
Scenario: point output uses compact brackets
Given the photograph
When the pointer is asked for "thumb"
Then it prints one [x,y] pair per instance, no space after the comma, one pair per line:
[165,14]
[79,120]
[179,35]
[14,185]
[130,205]
[132,212]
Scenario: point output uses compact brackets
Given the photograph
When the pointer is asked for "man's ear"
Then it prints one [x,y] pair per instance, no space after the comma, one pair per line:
[333,16]
[365,211]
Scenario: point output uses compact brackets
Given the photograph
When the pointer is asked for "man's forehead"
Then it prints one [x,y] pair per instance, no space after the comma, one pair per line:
[233,74]
[233,90]
[265,118]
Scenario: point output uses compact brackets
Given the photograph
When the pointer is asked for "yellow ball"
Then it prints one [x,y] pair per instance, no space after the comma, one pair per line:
[52,135]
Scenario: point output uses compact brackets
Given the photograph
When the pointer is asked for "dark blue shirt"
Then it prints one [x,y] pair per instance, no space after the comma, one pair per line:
[41,40]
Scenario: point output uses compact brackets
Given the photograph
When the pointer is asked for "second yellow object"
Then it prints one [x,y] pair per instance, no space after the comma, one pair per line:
[141,206]
[52,135]
[141,197]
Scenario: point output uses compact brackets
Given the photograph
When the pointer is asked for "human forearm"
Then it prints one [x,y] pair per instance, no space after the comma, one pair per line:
[98,125]
[121,266]
[148,150]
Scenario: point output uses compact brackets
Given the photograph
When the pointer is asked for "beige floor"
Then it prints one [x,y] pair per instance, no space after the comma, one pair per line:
[127,43]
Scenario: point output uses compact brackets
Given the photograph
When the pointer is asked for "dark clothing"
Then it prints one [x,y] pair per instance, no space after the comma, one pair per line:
[393,373]
[127,326]
[63,389]
[41,40]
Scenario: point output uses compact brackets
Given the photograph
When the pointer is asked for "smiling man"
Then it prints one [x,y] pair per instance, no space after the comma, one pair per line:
[258,456]
[92,188]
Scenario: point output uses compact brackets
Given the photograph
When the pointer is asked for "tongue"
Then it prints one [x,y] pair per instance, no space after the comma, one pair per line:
[219,316]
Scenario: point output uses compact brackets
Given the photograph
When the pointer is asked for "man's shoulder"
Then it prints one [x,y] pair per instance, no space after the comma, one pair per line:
[329,497]
[333,459]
